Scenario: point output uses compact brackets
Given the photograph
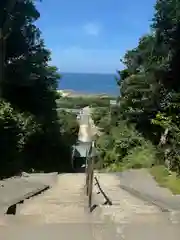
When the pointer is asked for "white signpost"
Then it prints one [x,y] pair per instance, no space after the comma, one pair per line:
[113,102]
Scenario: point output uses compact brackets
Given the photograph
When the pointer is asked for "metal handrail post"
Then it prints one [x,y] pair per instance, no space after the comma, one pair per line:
[87,178]
[91,183]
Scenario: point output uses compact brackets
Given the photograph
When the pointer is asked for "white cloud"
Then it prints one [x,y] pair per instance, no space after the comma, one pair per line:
[92,29]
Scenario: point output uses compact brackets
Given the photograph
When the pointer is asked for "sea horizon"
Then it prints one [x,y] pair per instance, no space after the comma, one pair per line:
[90,83]
[90,73]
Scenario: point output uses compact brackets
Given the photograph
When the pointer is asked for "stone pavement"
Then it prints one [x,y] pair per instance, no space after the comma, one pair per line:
[86,119]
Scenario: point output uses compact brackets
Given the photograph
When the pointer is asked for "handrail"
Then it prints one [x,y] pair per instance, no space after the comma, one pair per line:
[108,201]
[89,180]
[89,184]
[90,159]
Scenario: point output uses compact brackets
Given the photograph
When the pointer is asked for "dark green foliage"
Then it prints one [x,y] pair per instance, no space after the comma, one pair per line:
[69,126]
[31,135]
[80,102]
[149,98]
[150,84]
[16,129]
[98,113]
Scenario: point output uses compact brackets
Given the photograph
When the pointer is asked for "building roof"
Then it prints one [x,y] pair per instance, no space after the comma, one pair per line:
[81,149]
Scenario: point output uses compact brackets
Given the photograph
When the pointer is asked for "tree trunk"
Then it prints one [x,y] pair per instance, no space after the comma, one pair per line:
[163,138]
[162,142]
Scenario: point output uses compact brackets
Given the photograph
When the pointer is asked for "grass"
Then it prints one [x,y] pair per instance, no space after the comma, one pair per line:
[166,179]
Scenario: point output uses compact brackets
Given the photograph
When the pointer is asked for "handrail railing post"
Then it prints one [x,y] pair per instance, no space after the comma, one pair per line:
[87,177]
[90,174]
[90,188]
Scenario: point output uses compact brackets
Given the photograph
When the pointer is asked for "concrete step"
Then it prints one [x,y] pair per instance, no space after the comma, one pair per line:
[62,212]
[120,216]
[63,203]
[64,215]
[118,196]
[83,231]
[19,220]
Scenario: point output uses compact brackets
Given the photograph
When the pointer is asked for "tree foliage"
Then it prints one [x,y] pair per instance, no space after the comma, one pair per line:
[150,85]
[30,132]
[81,102]
[149,96]
[69,126]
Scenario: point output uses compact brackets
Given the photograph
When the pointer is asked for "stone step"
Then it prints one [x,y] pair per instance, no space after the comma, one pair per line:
[60,231]
[119,215]
[110,185]
[69,198]
[55,200]
[19,220]
[49,217]
[51,208]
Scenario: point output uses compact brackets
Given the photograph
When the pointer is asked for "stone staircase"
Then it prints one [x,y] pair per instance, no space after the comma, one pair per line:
[124,206]
[61,213]
[64,203]
[128,209]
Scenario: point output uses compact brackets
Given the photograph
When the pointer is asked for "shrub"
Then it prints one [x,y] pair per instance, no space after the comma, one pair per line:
[99,113]
[104,124]
[115,167]
[140,156]
[15,129]
[125,138]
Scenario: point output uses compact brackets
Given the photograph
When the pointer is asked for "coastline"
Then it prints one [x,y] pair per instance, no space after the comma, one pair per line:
[74,94]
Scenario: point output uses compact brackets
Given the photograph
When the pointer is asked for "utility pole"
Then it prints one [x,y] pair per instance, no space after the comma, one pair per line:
[5,31]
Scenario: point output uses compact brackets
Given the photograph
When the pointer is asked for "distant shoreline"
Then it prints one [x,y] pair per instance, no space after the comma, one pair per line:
[73,93]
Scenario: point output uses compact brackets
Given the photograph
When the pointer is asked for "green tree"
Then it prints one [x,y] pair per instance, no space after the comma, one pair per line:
[28,83]
[149,84]
[69,126]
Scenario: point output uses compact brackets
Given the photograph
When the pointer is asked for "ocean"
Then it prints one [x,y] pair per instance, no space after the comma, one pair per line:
[89,83]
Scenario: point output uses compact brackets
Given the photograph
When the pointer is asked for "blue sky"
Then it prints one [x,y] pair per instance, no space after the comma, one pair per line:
[92,36]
